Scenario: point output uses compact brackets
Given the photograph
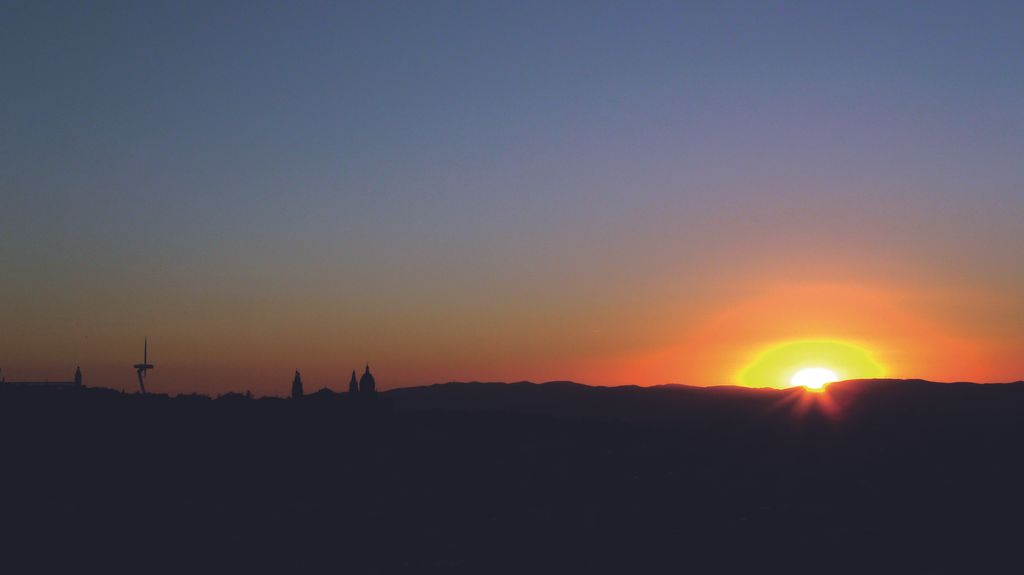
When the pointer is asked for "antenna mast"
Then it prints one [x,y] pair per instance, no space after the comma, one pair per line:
[141,368]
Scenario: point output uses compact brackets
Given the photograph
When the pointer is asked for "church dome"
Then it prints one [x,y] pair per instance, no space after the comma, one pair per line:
[366,382]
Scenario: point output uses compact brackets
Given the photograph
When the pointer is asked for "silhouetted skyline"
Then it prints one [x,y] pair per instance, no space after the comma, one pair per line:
[520,478]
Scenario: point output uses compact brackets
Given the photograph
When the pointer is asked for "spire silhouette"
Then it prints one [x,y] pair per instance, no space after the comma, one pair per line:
[297,386]
[353,385]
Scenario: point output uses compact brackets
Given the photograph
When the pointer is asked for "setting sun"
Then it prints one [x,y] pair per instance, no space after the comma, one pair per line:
[813,377]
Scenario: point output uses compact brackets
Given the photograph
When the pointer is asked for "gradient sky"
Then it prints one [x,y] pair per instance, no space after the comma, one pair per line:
[609,192]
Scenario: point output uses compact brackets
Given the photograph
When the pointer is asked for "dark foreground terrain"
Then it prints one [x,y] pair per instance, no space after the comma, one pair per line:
[872,476]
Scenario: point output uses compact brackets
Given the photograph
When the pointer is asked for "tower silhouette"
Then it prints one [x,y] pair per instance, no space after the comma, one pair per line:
[353,385]
[367,385]
[78,376]
[141,368]
[297,386]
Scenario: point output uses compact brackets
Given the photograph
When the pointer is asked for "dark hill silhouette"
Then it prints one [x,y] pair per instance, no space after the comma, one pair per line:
[679,403]
[872,476]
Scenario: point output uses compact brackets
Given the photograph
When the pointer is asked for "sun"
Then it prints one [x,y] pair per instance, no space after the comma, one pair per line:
[813,377]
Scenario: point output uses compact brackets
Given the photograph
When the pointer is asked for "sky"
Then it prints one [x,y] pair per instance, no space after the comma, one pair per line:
[607,192]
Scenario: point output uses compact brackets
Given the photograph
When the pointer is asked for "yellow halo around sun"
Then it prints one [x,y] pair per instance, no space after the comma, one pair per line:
[809,363]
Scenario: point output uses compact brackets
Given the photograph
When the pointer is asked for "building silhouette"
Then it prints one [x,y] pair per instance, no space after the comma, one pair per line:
[76,381]
[364,386]
[367,384]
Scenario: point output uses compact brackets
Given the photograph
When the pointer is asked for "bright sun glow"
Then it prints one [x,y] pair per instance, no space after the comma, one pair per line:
[813,377]
[810,363]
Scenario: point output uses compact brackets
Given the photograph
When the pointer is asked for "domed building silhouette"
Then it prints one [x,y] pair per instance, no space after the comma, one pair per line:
[367,385]
[364,386]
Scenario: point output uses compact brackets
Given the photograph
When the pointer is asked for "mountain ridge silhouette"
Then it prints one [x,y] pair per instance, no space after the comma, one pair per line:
[671,401]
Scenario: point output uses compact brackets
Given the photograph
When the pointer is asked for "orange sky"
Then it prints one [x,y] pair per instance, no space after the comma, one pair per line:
[704,341]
